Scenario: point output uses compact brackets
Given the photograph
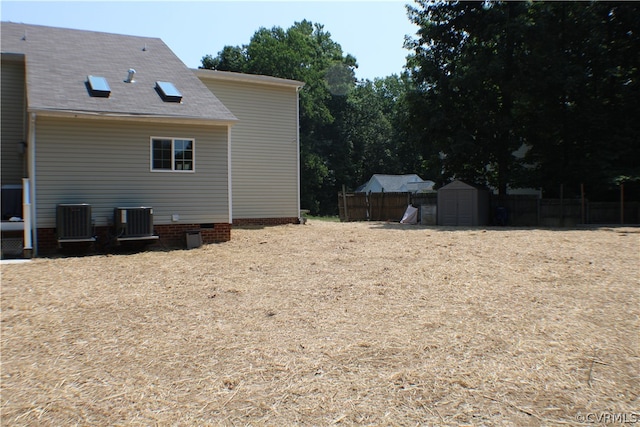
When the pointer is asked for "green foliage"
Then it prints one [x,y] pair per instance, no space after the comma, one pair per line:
[332,218]
[559,77]
[374,126]
[229,59]
[465,65]
[313,174]
[587,128]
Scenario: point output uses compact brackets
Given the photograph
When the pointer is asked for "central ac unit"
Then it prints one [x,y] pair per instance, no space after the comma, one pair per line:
[73,222]
[134,223]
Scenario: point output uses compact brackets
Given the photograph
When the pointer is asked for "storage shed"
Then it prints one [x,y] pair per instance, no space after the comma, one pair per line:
[461,204]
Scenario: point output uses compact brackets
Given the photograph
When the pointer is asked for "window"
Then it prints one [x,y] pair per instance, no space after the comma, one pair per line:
[172,154]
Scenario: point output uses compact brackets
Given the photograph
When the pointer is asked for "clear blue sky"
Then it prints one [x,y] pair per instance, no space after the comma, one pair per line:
[372,31]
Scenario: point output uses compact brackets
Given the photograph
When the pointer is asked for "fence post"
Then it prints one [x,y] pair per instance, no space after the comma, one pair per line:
[582,206]
[561,205]
[621,203]
[344,197]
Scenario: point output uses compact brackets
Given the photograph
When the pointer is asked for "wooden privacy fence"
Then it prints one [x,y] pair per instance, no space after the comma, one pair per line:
[532,211]
[372,206]
[521,210]
[566,213]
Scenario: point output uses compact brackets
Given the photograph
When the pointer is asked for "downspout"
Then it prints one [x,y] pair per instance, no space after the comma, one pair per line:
[27,248]
[31,230]
[229,188]
[298,88]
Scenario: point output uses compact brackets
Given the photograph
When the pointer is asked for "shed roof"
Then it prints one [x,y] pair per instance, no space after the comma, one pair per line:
[59,61]
[459,185]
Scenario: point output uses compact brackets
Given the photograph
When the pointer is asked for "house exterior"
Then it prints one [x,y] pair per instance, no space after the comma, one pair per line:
[379,183]
[119,121]
[264,145]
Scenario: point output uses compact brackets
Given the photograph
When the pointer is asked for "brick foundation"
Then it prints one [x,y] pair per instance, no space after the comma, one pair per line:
[174,234]
[47,241]
[171,235]
[238,222]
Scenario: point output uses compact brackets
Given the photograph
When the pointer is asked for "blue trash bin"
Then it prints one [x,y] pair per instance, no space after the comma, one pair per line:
[501,216]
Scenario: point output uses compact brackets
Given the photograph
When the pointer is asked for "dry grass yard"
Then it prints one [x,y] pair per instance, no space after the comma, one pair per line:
[330,323]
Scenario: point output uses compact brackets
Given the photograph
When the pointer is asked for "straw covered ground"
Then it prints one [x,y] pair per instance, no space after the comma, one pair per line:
[330,323]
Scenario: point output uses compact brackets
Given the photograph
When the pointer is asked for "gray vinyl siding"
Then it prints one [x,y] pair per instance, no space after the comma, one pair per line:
[264,150]
[13,120]
[107,164]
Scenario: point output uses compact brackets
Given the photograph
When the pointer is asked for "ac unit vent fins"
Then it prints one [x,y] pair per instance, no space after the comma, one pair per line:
[74,224]
[134,223]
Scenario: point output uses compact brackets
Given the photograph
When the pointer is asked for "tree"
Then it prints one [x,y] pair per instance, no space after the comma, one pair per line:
[230,58]
[560,78]
[580,116]
[465,66]
[372,128]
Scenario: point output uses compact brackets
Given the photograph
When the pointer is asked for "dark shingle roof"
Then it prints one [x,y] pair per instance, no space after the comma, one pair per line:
[59,60]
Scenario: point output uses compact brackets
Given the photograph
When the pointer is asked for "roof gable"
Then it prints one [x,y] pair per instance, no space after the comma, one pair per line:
[59,61]
[459,185]
[389,183]
[247,78]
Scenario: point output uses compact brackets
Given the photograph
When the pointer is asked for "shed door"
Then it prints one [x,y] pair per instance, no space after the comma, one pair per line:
[457,208]
[449,209]
[465,207]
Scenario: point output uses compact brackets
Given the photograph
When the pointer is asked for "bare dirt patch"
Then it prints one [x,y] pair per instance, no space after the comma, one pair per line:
[330,323]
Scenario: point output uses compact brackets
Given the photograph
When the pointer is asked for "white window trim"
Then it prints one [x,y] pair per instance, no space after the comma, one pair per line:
[172,170]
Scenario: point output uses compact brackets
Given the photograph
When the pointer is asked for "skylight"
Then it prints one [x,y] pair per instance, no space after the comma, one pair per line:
[98,86]
[168,92]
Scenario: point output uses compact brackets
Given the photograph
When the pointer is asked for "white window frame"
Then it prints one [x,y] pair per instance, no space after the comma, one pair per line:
[173,153]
